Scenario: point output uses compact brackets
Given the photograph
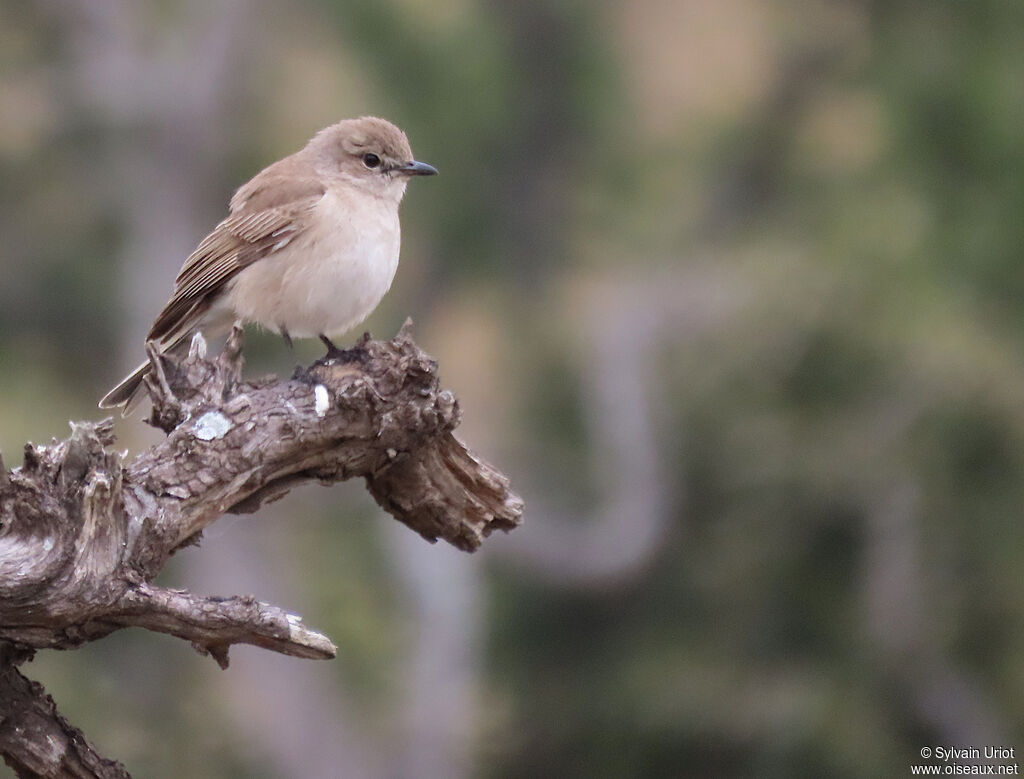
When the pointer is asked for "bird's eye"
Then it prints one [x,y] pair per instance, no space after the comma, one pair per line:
[371,160]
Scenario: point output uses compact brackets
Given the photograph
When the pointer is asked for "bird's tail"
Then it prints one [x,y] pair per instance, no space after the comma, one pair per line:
[126,393]
[171,337]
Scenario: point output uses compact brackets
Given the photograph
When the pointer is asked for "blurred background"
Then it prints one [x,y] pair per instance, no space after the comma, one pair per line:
[733,292]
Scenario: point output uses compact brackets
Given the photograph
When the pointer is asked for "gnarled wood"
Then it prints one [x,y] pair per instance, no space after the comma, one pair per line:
[83,533]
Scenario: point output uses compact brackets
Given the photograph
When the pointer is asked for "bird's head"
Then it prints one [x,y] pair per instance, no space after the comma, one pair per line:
[370,153]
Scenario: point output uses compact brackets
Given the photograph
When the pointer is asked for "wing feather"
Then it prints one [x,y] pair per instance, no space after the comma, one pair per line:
[267,213]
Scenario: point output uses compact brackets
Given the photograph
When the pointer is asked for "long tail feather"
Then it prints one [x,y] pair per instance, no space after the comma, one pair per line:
[124,394]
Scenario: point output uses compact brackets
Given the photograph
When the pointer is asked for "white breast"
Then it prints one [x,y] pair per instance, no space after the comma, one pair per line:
[329,278]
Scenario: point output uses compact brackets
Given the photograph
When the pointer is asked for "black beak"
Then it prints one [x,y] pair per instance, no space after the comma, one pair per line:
[415,168]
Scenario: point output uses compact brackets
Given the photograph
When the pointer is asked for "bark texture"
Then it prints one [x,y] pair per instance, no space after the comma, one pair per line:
[83,531]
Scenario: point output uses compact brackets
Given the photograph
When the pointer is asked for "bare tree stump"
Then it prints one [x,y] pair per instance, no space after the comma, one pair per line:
[84,532]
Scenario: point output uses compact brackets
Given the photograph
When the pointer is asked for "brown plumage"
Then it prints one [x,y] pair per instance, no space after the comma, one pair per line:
[309,247]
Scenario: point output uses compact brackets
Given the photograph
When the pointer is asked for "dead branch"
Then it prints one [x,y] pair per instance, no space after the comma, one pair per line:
[83,532]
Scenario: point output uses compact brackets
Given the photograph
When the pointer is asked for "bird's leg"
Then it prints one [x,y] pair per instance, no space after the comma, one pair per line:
[287,338]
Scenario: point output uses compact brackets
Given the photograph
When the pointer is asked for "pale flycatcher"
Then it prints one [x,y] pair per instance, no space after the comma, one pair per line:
[309,248]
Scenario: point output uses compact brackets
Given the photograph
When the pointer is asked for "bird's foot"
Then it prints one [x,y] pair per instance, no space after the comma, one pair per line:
[336,356]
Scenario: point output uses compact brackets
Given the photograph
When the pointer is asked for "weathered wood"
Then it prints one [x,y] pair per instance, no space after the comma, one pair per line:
[83,532]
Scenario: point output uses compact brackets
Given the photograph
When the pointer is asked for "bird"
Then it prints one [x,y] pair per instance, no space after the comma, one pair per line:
[309,247]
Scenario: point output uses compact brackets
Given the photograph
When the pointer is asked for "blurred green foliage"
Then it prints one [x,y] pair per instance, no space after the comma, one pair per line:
[837,581]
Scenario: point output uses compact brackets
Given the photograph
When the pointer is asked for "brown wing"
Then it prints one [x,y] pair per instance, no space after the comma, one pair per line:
[266,214]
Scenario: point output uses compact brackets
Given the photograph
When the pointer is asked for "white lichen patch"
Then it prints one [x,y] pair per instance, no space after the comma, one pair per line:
[198,345]
[211,425]
[321,400]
